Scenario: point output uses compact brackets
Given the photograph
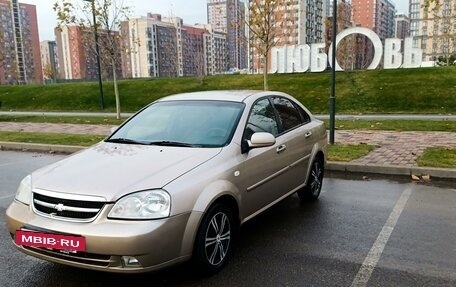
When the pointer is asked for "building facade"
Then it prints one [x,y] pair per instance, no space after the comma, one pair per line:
[433,28]
[402,26]
[228,16]
[415,19]
[20,59]
[165,47]
[377,15]
[215,51]
[77,56]
[296,22]
[49,60]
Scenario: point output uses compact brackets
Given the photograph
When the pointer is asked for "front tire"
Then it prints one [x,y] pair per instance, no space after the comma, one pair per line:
[312,190]
[214,240]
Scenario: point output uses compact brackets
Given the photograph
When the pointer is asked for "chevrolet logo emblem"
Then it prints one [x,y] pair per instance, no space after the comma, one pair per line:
[59,207]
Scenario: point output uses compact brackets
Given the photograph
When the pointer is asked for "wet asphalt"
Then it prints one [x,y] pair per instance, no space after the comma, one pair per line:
[384,231]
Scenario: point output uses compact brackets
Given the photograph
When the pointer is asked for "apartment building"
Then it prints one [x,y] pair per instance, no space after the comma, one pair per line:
[77,56]
[377,15]
[165,47]
[49,60]
[402,26]
[296,22]
[20,59]
[434,28]
[228,16]
[215,51]
[415,19]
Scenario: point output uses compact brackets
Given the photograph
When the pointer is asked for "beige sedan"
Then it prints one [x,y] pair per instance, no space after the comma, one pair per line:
[173,183]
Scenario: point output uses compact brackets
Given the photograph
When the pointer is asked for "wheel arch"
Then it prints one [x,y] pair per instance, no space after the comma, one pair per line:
[209,197]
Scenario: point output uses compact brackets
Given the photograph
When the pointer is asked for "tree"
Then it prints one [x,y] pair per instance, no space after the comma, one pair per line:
[267,20]
[48,71]
[441,25]
[108,16]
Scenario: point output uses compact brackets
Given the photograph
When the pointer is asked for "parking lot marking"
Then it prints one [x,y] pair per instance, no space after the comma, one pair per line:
[5,164]
[376,251]
[6,196]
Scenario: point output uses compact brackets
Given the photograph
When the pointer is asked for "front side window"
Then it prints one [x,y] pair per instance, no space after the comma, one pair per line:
[261,119]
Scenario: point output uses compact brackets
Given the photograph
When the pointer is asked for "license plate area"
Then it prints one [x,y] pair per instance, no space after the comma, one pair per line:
[64,243]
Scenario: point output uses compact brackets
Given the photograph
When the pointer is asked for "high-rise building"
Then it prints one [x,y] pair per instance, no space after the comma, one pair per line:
[228,16]
[77,56]
[297,22]
[215,50]
[414,16]
[166,47]
[20,59]
[49,60]
[433,28]
[402,26]
[377,15]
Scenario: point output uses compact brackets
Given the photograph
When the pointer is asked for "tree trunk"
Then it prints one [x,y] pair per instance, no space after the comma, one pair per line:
[265,73]
[116,90]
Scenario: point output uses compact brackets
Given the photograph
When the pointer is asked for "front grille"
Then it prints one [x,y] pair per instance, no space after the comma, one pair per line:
[63,208]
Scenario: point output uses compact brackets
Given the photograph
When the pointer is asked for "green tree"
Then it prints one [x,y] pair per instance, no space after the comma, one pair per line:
[108,17]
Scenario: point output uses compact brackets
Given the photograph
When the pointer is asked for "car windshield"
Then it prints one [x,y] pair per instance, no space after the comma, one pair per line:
[182,123]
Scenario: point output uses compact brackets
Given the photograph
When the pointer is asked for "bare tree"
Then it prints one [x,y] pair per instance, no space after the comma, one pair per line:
[441,18]
[266,22]
[108,15]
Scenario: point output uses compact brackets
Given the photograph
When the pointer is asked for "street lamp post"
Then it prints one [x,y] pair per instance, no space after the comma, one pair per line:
[97,49]
[332,98]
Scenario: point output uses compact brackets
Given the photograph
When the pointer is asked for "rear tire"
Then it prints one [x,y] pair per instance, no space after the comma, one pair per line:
[214,240]
[312,190]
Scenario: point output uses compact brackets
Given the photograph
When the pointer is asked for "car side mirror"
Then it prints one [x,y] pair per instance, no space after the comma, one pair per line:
[257,140]
[261,140]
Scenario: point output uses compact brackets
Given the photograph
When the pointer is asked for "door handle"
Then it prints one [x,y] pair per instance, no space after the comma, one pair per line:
[281,148]
[308,134]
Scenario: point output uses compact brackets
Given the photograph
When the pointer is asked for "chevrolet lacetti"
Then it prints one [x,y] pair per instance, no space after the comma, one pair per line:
[173,183]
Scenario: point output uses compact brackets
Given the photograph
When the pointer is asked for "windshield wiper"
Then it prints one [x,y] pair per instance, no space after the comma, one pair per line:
[124,141]
[172,143]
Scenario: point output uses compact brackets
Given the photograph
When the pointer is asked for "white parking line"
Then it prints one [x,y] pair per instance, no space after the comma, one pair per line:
[5,164]
[376,251]
[6,196]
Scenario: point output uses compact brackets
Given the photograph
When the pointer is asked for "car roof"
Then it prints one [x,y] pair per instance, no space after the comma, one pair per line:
[219,95]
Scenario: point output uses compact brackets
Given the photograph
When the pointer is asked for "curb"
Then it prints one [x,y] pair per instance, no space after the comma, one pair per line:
[442,173]
[34,147]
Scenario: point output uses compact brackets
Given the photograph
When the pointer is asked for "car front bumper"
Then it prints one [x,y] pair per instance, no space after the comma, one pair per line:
[154,244]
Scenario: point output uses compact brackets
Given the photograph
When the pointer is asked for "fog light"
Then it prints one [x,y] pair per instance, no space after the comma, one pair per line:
[130,261]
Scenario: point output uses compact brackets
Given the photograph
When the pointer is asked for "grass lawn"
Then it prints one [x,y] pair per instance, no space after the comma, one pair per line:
[395,125]
[348,153]
[62,120]
[421,90]
[438,157]
[50,138]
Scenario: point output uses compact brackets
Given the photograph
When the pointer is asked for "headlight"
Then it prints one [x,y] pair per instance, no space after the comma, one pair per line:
[151,204]
[24,191]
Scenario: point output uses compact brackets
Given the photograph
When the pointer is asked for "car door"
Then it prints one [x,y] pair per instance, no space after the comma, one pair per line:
[264,168]
[299,139]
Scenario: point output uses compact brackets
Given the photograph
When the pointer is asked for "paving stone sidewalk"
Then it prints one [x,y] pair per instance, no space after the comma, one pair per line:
[393,148]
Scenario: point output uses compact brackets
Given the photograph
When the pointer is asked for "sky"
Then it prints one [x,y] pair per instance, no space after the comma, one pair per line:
[191,11]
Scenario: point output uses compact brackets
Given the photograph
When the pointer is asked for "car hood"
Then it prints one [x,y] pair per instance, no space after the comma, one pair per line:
[114,170]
